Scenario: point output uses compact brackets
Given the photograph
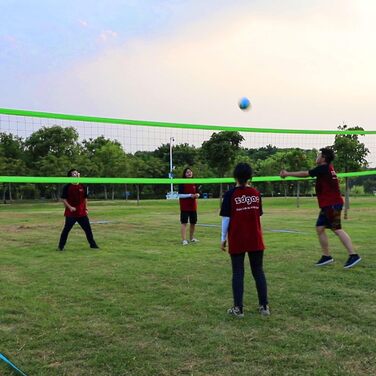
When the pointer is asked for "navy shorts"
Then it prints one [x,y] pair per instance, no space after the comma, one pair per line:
[192,215]
[330,217]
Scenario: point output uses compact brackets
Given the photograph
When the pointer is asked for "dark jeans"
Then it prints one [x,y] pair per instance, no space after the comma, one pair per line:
[256,261]
[69,223]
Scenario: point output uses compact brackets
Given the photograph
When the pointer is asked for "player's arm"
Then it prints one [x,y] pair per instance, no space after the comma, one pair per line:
[296,174]
[184,195]
[64,198]
[66,204]
[86,190]
[225,213]
[225,226]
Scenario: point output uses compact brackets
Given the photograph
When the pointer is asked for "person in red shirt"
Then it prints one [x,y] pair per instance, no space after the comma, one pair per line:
[241,228]
[188,196]
[74,197]
[330,202]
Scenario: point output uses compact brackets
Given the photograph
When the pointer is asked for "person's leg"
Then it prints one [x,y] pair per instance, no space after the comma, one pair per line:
[192,225]
[346,240]
[183,230]
[353,258]
[256,262]
[323,239]
[237,262]
[85,225]
[192,228]
[69,223]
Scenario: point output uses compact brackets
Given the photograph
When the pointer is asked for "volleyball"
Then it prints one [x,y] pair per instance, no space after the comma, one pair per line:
[244,104]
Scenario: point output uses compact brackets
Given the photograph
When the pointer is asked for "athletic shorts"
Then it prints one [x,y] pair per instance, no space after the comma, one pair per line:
[192,215]
[330,217]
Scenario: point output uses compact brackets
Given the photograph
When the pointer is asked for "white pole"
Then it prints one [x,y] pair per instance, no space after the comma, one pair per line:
[171,165]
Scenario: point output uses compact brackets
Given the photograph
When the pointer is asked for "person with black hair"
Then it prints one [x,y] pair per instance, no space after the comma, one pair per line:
[241,228]
[188,195]
[74,197]
[330,202]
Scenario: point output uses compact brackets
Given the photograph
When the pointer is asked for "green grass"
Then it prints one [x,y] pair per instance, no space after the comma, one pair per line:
[145,305]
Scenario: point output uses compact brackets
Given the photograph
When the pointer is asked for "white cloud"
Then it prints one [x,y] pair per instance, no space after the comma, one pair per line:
[107,35]
[83,23]
[312,69]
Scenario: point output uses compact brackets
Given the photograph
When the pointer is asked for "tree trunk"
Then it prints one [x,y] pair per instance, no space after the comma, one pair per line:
[347,197]
[138,194]
[10,193]
[126,192]
[4,193]
[105,192]
[113,192]
[220,194]
[58,194]
[298,194]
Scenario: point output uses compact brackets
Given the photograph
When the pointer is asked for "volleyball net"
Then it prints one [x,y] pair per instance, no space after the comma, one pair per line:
[121,151]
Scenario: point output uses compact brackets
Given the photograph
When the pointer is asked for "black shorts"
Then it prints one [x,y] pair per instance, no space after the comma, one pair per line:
[330,217]
[192,215]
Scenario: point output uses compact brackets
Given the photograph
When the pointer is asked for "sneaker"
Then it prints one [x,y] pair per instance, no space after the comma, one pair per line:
[236,312]
[325,260]
[94,246]
[185,242]
[59,249]
[194,240]
[352,261]
[264,310]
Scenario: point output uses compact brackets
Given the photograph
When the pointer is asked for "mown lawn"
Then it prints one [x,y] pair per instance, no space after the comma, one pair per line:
[145,305]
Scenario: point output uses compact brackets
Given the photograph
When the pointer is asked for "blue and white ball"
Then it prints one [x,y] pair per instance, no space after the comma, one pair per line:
[244,104]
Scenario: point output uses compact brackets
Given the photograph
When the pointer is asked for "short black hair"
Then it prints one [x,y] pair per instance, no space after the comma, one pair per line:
[185,170]
[328,154]
[69,174]
[243,173]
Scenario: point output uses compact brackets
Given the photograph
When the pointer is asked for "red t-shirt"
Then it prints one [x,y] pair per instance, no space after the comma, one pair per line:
[189,203]
[327,186]
[76,195]
[243,206]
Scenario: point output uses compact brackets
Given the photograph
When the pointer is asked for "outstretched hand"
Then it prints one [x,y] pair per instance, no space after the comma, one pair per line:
[283,173]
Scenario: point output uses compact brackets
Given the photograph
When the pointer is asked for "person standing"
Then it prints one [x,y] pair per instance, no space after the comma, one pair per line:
[330,202]
[241,227]
[74,197]
[188,196]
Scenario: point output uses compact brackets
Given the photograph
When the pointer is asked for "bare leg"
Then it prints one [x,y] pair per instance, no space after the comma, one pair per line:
[183,231]
[192,228]
[346,241]
[323,239]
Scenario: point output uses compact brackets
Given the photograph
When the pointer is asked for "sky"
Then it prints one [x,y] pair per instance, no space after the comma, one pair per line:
[303,64]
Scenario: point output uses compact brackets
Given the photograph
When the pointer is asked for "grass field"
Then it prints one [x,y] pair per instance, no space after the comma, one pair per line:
[145,305]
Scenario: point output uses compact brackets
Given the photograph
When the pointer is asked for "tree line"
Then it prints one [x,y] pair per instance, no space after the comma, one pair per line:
[52,151]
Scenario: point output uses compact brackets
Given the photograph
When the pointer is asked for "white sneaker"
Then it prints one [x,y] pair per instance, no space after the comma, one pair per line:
[185,242]
[194,240]
[264,310]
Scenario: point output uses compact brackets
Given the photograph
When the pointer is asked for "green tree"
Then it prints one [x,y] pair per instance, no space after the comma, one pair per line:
[350,156]
[220,152]
[55,140]
[51,147]
[183,154]
[12,160]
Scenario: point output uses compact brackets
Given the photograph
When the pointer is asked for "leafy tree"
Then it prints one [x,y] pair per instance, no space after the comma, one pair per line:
[183,154]
[55,140]
[350,156]
[146,165]
[12,160]
[220,152]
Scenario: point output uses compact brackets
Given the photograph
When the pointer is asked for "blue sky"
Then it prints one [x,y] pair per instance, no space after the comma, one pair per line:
[302,64]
